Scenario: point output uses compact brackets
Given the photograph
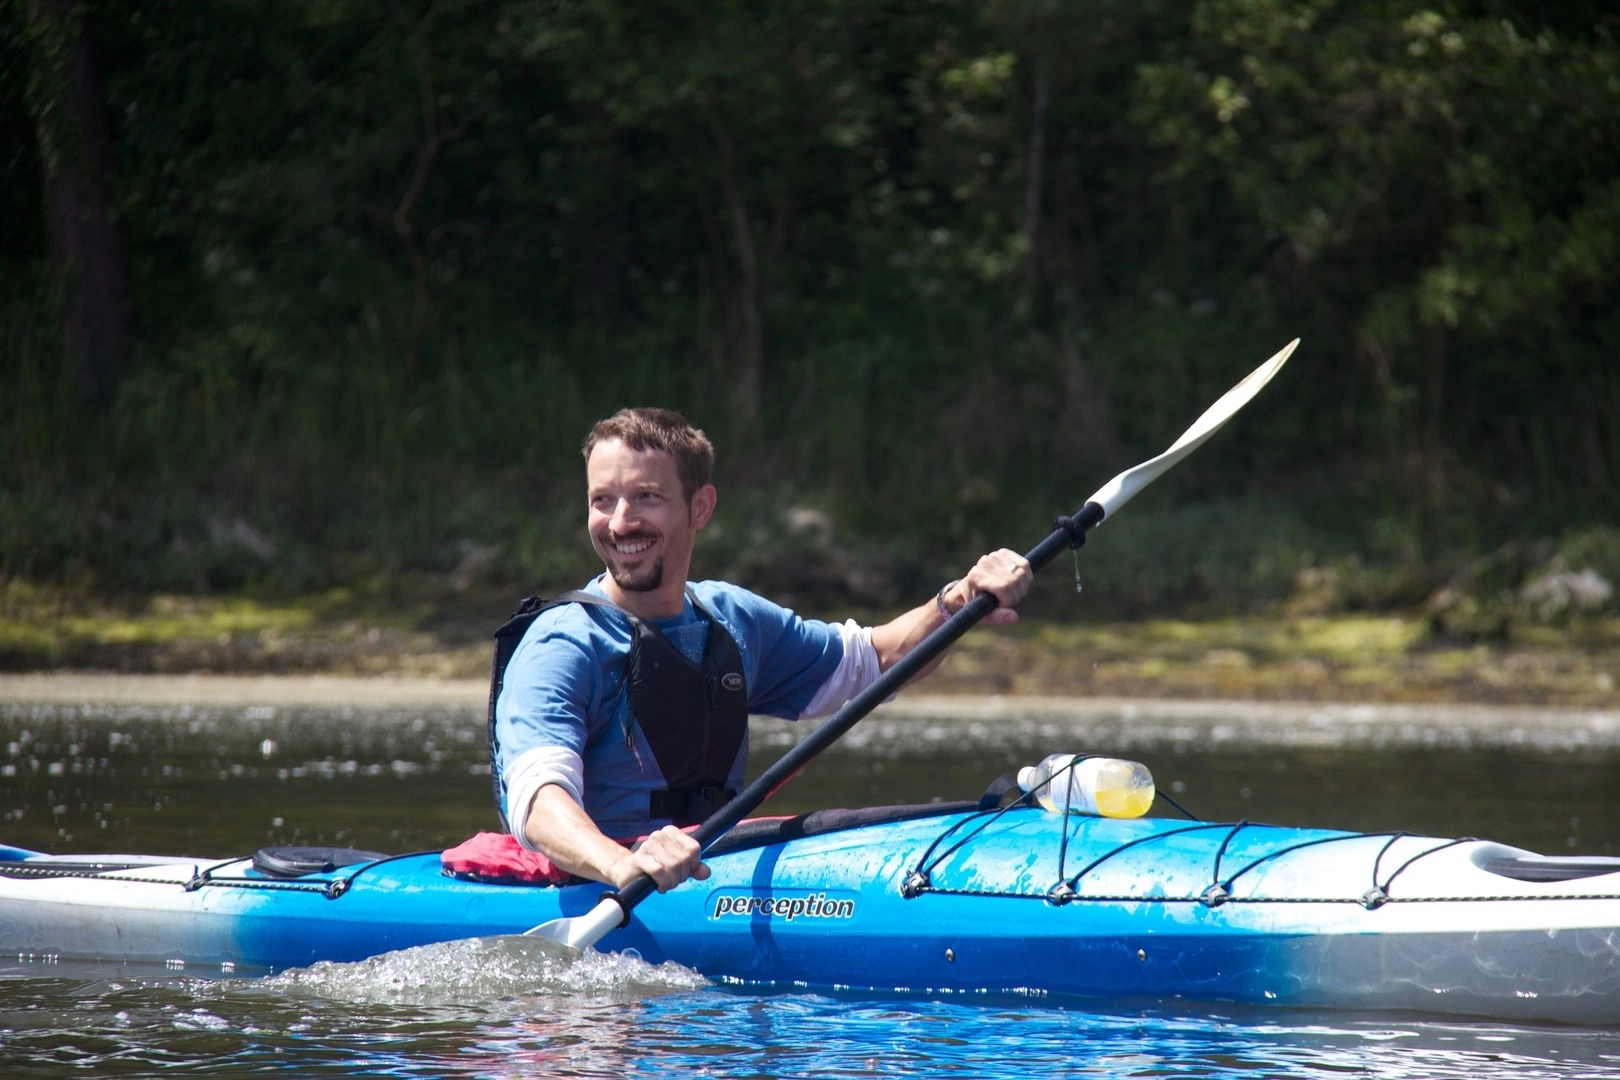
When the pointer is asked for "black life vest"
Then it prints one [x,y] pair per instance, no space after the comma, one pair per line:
[694,716]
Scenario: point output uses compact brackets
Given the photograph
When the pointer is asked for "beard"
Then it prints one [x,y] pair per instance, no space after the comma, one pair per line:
[648,580]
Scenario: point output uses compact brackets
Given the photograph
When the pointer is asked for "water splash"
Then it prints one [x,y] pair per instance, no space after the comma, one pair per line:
[476,971]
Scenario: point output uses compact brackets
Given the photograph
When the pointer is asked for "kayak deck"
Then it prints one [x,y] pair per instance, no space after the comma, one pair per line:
[933,900]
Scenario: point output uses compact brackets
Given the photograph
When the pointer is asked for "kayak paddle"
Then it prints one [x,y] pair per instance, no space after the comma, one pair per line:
[613,911]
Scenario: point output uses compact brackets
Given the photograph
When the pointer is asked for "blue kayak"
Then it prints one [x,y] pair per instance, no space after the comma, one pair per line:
[935,900]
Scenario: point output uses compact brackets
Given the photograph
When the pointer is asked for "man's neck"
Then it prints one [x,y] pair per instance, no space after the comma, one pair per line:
[665,602]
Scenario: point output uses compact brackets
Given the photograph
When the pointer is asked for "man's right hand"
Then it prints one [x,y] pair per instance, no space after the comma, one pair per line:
[668,856]
[557,827]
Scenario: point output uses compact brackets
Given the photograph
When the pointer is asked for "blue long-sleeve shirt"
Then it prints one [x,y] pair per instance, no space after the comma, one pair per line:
[563,699]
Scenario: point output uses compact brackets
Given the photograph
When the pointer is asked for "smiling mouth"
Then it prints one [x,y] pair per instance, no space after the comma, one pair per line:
[634,545]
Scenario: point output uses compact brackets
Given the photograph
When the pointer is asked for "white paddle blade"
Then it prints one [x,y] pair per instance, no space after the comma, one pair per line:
[1120,490]
[581,931]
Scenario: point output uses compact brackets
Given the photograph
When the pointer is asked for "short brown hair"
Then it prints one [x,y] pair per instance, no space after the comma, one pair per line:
[660,429]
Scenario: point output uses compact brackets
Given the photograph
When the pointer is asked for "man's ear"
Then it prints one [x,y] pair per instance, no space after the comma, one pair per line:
[704,501]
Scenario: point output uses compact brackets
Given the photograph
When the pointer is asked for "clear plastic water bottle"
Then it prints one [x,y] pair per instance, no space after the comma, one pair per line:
[1109,787]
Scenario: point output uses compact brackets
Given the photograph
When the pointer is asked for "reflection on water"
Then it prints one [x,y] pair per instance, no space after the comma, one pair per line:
[219,781]
[222,781]
[645,1028]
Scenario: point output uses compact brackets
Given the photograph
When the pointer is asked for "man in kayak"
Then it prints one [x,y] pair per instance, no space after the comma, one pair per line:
[622,712]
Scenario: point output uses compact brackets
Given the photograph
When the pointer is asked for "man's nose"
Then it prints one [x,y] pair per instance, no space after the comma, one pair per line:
[623,514]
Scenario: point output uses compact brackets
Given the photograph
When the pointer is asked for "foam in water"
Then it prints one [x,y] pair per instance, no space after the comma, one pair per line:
[486,969]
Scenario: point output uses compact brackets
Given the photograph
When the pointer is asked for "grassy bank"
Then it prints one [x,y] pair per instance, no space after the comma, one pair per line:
[1391,658]
[1234,599]
[1395,656]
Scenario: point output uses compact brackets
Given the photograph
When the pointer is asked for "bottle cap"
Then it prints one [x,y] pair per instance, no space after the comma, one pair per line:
[1026,778]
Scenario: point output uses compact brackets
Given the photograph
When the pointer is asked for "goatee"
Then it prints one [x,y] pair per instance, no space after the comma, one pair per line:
[646,583]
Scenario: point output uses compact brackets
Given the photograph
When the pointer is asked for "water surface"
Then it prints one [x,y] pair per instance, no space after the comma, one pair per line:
[202,780]
[221,780]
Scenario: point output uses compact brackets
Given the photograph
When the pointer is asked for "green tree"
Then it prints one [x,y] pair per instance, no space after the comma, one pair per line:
[90,281]
[1438,188]
[921,261]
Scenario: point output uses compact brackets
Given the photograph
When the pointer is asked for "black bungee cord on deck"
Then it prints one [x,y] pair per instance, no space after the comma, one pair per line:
[1219,890]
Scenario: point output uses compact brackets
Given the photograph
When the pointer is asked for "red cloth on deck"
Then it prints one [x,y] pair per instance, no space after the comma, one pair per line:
[498,857]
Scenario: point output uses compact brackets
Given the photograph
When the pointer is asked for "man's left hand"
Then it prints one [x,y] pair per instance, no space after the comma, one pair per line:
[1004,573]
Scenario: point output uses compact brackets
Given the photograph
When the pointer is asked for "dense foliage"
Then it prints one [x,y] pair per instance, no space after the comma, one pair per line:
[935,268]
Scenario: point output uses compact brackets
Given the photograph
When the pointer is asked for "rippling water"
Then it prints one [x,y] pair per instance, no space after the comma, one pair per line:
[512,1007]
[221,781]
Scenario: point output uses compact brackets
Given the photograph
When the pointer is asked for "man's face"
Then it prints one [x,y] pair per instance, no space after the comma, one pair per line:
[640,523]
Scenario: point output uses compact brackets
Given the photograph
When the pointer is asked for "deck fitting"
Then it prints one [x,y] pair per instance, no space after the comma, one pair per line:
[915,885]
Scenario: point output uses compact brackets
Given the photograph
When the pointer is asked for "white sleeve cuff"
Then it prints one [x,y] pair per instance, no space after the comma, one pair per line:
[533,770]
[858,670]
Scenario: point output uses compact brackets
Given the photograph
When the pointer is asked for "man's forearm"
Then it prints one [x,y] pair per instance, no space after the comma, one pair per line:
[897,637]
[560,829]
[1004,573]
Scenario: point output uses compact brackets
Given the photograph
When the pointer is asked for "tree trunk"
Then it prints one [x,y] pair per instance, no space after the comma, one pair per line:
[1033,178]
[88,272]
[1085,426]
[434,140]
[746,331]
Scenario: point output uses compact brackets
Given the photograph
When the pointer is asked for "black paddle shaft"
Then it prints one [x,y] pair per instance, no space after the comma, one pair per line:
[1068,533]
